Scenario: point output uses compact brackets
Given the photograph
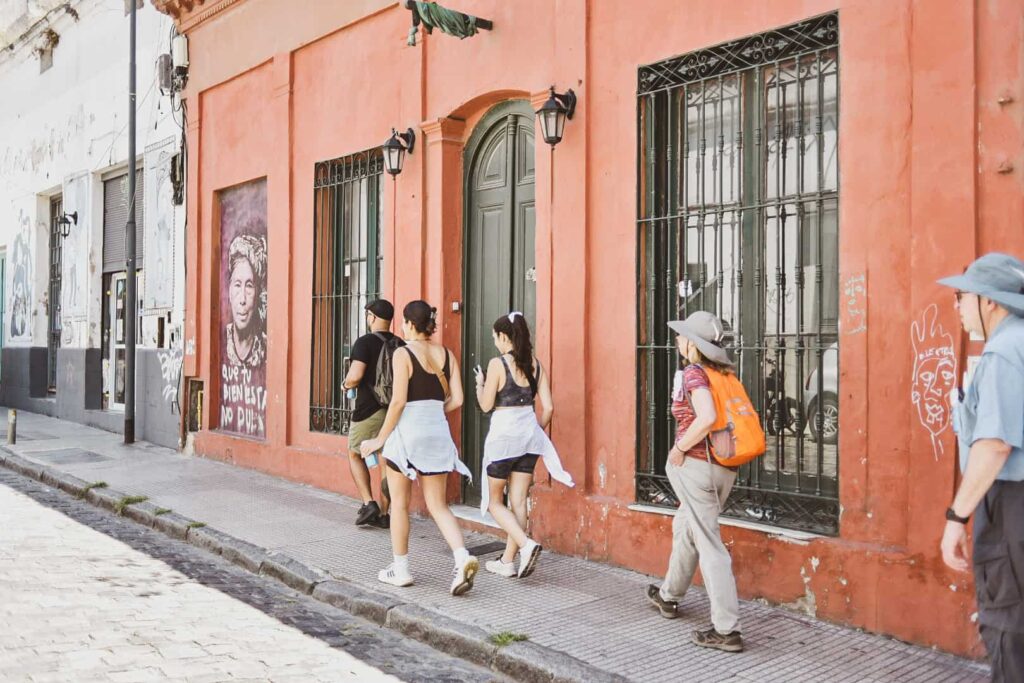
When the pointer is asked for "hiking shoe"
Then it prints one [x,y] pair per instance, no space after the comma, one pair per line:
[395,576]
[464,575]
[726,642]
[528,556]
[367,513]
[666,607]
[506,569]
[383,521]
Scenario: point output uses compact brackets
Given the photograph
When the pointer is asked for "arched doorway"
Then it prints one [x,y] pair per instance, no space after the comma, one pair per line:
[499,262]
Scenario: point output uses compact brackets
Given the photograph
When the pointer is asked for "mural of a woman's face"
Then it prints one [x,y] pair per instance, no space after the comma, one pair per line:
[243,293]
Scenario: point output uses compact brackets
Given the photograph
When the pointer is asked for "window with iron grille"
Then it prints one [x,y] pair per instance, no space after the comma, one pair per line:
[347,262]
[738,195]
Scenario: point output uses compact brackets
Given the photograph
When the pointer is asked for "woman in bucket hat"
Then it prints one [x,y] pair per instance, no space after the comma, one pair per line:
[699,484]
[988,417]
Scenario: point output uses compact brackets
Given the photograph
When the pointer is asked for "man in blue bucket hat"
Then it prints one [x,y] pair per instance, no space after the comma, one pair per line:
[989,421]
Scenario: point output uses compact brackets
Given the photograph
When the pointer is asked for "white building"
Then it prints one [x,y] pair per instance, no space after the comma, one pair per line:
[64,168]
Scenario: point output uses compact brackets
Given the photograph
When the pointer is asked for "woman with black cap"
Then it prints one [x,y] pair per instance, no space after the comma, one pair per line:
[701,485]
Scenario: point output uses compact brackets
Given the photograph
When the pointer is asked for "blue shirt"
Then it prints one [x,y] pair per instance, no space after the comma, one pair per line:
[993,405]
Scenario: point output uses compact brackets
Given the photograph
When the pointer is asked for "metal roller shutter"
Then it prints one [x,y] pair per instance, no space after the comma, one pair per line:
[115,215]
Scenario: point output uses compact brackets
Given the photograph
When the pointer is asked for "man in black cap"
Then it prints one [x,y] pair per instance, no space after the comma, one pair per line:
[989,421]
[368,414]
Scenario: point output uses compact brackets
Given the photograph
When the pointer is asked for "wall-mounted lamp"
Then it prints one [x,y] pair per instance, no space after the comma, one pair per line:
[65,222]
[553,114]
[395,148]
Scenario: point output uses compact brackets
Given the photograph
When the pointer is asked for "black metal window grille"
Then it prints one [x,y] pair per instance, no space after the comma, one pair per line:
[738,199]
[347,263]
[53,329]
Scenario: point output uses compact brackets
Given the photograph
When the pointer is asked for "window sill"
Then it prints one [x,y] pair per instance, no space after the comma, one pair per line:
[789,534]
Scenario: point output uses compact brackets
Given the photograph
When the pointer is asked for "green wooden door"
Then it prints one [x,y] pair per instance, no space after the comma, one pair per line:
[499,266]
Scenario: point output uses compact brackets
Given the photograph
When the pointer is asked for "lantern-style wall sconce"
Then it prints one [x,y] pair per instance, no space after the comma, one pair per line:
[553,114]
[65,222]
[395,149]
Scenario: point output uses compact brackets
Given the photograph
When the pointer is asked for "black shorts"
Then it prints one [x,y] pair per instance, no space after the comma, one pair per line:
[503,469]
[393,466]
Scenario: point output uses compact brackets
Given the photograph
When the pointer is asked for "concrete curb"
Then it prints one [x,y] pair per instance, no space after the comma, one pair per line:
[522,661]
[291,573]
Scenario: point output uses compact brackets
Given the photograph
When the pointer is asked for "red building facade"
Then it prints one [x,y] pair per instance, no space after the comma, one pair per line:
[805,169]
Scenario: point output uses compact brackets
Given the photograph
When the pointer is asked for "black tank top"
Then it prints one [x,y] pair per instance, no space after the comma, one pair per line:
[423,384]
[512,395]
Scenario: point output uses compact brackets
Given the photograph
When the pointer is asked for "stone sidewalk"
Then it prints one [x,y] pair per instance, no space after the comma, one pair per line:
[592,612]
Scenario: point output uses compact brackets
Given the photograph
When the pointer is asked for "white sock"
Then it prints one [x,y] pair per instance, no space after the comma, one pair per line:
[461,555]
[401,561]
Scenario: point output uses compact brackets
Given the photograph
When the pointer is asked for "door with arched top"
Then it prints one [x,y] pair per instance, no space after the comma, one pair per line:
[499,265]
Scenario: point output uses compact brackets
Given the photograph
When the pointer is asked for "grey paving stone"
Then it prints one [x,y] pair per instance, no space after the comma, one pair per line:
[526,661]
[105,497]
[245,555]
[172,524]
[291,572]
[209,539]
[349,597]
[69,483]
[23,466]
[443,633]
[143,513]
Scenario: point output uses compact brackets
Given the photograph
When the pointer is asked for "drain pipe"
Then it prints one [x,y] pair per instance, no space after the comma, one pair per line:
[12,426]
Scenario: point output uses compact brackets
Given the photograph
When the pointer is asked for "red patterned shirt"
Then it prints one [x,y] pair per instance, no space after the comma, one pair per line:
[694,377]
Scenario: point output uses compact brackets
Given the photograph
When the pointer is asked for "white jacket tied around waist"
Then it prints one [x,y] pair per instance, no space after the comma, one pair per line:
[422,440]
[514,433]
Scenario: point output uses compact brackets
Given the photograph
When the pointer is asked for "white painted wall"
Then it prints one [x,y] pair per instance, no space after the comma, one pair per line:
[61,131]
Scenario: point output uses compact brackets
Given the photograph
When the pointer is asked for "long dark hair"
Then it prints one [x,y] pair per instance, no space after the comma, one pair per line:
[515,328]
[422,315]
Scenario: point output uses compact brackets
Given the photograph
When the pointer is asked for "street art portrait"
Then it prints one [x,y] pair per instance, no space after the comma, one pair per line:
[243,309]
[20,267]
[934,375]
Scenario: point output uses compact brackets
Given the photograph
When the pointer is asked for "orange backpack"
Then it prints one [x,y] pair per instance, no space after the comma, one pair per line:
[736,437]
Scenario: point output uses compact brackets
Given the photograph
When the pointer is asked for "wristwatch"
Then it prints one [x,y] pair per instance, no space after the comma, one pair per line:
[953,517]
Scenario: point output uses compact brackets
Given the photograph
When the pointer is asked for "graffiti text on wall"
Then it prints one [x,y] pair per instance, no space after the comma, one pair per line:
[243,309]
[934,375]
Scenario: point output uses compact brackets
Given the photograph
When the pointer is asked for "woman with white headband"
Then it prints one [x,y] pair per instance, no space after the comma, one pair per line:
[516,439]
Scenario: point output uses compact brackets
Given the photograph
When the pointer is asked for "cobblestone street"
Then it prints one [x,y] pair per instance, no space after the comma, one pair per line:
[88,596]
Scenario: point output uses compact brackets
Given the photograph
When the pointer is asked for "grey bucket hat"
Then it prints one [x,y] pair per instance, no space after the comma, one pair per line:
[706,331]
[995,276]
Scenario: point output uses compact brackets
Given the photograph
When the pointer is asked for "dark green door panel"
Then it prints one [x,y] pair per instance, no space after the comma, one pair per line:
[499,252]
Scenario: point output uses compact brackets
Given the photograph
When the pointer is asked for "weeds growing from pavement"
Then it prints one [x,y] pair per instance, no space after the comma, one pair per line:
[128,500]
[196,525]
[507,638]
[161,511]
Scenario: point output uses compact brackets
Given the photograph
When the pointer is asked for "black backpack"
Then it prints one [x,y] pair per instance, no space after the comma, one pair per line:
[385,377]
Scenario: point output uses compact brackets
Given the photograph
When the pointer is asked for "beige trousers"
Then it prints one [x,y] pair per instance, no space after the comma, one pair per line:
[696,540]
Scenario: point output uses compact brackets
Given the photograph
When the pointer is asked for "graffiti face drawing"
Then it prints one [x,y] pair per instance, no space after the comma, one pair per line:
[934,375]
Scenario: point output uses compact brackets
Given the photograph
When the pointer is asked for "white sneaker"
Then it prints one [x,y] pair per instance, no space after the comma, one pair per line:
[501,568]
[395,576]
[528,556]
[464,575]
